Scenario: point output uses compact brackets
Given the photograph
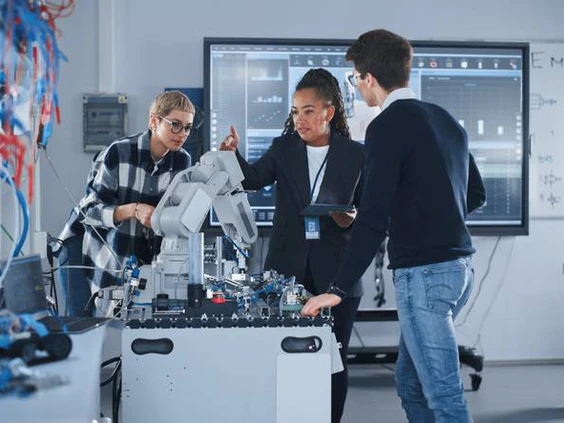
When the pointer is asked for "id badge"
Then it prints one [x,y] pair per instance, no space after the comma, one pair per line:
[311,227]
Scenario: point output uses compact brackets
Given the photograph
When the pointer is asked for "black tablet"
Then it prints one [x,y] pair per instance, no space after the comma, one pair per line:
[317,209]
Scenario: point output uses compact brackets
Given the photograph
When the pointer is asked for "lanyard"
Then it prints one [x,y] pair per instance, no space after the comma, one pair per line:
[317,177]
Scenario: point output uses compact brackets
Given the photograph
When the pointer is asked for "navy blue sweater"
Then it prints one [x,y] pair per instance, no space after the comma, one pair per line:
[420,183]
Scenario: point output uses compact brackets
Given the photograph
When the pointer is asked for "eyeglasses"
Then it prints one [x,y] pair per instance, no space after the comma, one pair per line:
[177,127]
[352,78]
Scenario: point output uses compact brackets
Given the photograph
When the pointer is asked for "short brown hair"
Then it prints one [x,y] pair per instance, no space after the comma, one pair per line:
[166,102]
[383,54]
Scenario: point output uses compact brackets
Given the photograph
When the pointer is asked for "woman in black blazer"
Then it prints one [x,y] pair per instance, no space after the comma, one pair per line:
[314,161]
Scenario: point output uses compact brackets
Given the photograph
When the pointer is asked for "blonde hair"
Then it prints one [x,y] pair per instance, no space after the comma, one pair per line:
[166,102]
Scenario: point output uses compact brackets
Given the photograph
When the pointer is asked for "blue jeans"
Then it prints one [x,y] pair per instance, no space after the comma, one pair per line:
[428,378]
[75,286]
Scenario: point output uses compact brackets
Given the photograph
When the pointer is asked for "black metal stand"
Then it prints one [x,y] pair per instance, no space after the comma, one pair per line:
[389,354]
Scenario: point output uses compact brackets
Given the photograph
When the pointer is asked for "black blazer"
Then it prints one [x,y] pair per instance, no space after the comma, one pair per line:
[285,163]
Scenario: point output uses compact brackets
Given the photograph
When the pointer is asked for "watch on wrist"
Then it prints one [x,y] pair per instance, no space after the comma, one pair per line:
[333,289]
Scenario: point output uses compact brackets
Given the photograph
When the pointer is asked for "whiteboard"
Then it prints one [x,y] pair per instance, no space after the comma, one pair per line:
[546,122]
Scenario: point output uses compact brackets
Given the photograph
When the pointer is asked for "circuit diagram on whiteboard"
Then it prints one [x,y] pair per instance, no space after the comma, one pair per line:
[546,126]
[537,100]
[549,182]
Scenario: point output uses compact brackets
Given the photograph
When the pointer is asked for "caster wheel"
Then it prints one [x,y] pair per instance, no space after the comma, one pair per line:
[476,380]
[57,345]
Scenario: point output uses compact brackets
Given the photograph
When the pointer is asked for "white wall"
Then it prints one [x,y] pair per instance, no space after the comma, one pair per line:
[160,44]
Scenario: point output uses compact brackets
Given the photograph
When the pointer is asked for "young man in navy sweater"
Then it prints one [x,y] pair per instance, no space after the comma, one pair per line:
[420,184]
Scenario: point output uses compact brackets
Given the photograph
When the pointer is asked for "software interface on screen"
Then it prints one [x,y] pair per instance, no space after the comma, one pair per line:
[250,86]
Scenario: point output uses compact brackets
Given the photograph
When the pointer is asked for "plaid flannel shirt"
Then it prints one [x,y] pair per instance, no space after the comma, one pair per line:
[122,173]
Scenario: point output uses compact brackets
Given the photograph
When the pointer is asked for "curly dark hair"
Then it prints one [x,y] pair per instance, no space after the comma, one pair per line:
[327,88]
[383,54]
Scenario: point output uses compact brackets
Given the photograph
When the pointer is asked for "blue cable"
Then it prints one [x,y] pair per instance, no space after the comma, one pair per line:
[25,213]
[25,230]
[29,28]
[245,254]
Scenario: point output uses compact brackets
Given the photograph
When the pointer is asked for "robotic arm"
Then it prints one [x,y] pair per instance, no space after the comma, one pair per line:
[214,181]
[177,272]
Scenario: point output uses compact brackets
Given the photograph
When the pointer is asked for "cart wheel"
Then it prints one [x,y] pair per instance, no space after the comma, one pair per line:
[57,345]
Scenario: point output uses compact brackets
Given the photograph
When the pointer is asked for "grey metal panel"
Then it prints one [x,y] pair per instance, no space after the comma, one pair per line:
[104,119]
[296,399]
[225,375]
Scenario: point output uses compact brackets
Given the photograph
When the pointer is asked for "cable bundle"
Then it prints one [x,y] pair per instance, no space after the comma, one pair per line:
[29,68]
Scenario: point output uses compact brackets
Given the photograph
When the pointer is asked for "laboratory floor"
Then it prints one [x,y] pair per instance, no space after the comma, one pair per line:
[508,394]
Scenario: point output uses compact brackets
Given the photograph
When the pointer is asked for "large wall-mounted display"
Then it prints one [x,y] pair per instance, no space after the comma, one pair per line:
[248,83]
